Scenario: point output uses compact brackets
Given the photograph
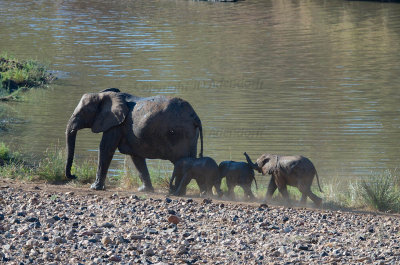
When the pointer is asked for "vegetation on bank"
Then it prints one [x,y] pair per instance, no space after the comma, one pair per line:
[380,192]
[18,75]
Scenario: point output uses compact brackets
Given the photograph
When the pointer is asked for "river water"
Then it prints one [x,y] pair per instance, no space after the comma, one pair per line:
[318,78]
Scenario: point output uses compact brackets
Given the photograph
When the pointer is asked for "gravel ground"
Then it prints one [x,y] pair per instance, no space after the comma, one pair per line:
[45,224]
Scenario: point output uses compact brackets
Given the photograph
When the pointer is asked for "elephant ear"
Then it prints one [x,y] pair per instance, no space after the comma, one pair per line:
[111,111]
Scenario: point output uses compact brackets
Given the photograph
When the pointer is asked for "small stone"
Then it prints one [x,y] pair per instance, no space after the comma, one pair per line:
[136,237]
[276,253]
[149,252]
[21,214]
[173,219]
[302,247]
[7,247]
[285,219]
[88,233]
[60,240]
[115,258]
[288,229]
[324,254]
[1,217]
[168,200]
[371,229]
[106,240]
[32,220]
[207,201]
[107,225]
[182,250]
[70,193]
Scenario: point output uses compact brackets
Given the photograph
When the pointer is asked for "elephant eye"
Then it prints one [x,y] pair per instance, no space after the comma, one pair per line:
[172,132]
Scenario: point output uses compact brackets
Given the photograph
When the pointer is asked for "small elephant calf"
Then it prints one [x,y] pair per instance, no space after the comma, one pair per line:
[204,170]
[296,171]
[237,174]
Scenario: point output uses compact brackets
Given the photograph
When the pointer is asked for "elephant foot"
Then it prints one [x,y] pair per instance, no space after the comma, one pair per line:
[145,188]
[97,186]
[318,203]
[71,176]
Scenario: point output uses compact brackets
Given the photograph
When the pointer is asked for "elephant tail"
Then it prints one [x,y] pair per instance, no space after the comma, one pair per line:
[198,125]
[255,181]
[316,174]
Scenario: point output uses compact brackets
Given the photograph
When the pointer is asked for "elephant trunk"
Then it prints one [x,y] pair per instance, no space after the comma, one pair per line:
[253,165]
[70,139]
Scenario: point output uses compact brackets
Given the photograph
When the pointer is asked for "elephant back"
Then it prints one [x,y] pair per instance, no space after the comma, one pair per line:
[164,126]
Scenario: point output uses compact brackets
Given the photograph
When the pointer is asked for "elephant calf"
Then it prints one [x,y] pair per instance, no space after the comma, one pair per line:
[204,170]
[296,171]
[237,174]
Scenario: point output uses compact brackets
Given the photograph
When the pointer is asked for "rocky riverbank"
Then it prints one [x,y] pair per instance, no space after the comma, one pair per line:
[47,224]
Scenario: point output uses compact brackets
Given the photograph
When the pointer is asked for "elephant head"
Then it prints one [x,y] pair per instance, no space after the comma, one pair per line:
[98,111]
[265,164]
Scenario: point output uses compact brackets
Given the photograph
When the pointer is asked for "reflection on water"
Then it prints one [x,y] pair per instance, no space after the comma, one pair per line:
[318,78]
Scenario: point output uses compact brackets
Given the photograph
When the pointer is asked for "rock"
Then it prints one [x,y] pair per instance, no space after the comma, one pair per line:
[182,250]
[107,225]
[60,240]
[173,219]
[149,252]
[1,217]
[172,212]
[302,247]
[115,258]
[106,240]
[168,200]
[207,201]
[276,253]
[136,237]
[32,220]
[324,254]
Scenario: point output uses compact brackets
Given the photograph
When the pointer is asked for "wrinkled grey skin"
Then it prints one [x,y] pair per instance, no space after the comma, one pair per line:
[204,170]
[296,171]
[155,127]
[237,174]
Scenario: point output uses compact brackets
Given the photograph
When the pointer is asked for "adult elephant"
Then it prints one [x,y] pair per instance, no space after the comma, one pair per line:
[155,127]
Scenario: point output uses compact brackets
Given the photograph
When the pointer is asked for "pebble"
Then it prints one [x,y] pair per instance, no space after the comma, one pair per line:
[173,219]
[106,240]
[127,229]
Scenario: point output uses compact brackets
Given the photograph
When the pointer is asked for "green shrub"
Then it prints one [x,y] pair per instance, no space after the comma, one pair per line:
[51,168]
[85,172]
[5,154]
[381,192]
[15,74]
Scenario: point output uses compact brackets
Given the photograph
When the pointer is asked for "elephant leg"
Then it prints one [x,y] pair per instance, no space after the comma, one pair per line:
[248,192]
[303,198]
[181,190]
[317,200]
[283,190]
[140,164]
[108,145]
[271,188]
[231,192]
[204,187]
